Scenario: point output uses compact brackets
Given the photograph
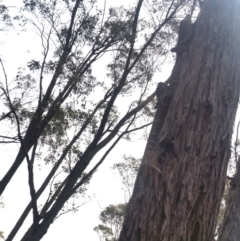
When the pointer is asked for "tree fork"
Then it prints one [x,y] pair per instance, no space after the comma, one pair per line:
[177,196]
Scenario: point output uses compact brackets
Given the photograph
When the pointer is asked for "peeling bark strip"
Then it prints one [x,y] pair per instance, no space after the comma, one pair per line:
[177,196]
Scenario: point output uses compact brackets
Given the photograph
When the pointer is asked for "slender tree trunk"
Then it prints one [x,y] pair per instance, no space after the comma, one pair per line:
[179,187]
[230,227]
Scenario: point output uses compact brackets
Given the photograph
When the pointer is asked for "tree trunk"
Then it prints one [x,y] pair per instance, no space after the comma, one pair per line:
[179,187]
[230,227]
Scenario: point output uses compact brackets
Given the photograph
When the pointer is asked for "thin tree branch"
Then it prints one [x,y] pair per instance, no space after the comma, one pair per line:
[7,137]
[89,175]
[45,54]
[167,19]
[124,119]
[30,164]
[62,60]
[56,166]
[121,82]
[50,186]
[49,203]
[7,115]
[71,210]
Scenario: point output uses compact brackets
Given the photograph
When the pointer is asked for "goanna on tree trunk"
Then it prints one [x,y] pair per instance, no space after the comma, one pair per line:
[179,188]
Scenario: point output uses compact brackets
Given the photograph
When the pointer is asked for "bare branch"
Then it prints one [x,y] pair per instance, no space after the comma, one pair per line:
[139,128]
[166,20]
[45,54]
[94,169]
[124,119]
[8,137]
[7,115]
[73,209]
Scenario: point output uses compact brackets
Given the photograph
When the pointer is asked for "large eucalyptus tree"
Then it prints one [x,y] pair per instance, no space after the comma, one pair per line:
[181,179]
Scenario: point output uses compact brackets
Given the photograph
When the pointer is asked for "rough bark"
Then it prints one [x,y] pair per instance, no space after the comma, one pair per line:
[164,99]
[230,227]
[177,196]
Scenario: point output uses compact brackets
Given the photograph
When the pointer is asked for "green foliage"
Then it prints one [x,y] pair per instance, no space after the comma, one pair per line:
[5,19]
[112,214]
[106,233]
[112,218]
[128,170]
[33,65]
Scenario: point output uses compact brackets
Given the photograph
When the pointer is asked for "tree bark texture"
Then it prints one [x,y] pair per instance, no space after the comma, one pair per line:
[230,227]
[179,187]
